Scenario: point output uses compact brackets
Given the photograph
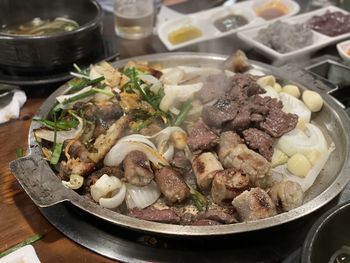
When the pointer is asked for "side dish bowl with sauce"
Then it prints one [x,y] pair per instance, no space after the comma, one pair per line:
[37,37]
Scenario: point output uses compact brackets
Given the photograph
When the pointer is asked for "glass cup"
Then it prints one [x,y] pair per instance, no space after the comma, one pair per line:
[133,18]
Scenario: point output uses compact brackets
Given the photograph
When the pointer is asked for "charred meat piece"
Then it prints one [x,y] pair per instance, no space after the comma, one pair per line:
[92,178]
[228,141]
[228,184]
[205,222]
[151,129]
[172,185]
[137,169]
[278,123]
[217,215]
[222,111]
[77,150]
[237,62]
[180,161]
[249,162]
[254,204]
[259,141]
[287,195]
[204,167]
[214,87]
[104,142]
[105,115]
[168,216]
[75,166]
[201,137]
[244,86]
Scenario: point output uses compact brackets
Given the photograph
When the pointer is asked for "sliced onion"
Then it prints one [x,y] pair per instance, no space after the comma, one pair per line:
[62,98]
[61,136]
[151,80]
[271,92]
[172,76]
[194,72]
[255,72]
[138,138]
[176,93]
[141,197]
[298,141]
[307,181]
[118,152]
[75,182]
[104,186]
[296,106]
[116,199]
[169,153]
[174,110]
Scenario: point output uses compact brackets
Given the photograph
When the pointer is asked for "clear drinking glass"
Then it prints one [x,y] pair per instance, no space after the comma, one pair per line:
[133,18]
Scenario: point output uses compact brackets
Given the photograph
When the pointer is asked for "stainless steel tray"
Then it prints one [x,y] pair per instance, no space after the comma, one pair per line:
[46,189]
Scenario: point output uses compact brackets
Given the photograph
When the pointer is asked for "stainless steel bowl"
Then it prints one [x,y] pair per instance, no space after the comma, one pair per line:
[46,189]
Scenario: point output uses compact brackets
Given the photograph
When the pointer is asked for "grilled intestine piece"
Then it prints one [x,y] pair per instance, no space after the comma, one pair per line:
[228,184]
[172,185]
[254,204]
[287,195]
[233,154]
[137,169]
[204,167]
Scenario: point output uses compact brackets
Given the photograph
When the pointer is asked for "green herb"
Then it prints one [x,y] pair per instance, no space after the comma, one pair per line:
[19,152]
[56,153]
[77,85]
[28,241]
[60,125]
[185,109]
[198,199]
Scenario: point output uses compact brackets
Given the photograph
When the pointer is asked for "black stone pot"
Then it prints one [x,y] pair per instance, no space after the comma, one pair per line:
[330,232]
[40,55]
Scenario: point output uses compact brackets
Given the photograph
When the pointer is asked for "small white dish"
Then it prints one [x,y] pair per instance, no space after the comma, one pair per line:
[343,50]
[24,254]
[319,40]
[204,21]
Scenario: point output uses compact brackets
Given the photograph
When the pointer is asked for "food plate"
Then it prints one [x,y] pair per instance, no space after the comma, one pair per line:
[319,40]
[46,189]
[204,21]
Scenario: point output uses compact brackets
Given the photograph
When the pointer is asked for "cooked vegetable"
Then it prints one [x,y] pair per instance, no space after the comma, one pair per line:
[183,113]
[75,182]
[278,157]
[178,93]
[19,152]
[49,135]
[266,81]
[198,199]
[143,196]
[296,106]
[118,152]
[291,90]
[108,191]
[299,165]
[312,100]
[306,142]
[172,76]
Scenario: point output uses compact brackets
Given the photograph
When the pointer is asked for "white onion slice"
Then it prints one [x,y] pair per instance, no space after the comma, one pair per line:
[138,138]
[298,141]
[176,93]
[255,72]
[307,181]
[172,76]
[151,80]
[116,200]
[143,196]
[118,152]
[62,98]
[169,153]
[103,186]
[271,92]
[75,182]
[296,106]
[61,136]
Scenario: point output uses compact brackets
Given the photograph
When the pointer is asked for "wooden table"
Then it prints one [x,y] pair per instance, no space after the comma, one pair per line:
[19,217]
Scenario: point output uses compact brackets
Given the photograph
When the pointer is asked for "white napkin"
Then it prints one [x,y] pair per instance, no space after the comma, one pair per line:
[24,254]
[12,109]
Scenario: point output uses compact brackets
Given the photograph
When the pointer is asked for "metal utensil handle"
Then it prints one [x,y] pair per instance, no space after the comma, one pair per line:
[31,172]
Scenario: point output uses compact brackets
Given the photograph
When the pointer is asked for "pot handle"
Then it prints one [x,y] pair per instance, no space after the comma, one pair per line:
[32,173]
